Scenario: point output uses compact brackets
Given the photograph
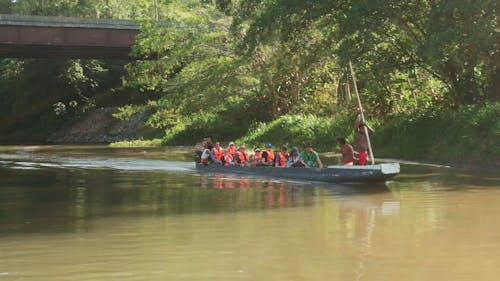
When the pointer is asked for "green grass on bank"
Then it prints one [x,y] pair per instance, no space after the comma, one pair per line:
[297,130]
[468,134]
[138,143]
[196,127]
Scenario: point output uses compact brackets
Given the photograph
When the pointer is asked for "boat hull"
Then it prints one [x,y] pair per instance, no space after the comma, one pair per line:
[334,174]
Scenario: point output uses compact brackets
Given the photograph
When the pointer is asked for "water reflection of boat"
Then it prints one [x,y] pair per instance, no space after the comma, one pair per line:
[333,174]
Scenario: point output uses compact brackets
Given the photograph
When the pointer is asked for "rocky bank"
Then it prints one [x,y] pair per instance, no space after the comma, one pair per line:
[99,126]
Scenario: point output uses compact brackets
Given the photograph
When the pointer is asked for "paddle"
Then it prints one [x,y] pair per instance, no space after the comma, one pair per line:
[362,114]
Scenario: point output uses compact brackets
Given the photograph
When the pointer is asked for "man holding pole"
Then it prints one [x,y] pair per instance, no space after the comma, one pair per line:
[361,131]
[360,140]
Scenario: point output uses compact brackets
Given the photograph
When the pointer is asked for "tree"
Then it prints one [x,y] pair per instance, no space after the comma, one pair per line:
[453,41]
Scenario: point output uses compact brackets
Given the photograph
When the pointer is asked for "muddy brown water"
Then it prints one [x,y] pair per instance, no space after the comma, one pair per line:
[100,213]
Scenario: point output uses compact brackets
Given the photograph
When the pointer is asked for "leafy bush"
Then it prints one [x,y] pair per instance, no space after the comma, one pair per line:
[469,133]
[296,130]
[198,126]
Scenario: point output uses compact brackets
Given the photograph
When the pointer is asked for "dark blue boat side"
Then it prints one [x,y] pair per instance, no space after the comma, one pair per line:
[334,174]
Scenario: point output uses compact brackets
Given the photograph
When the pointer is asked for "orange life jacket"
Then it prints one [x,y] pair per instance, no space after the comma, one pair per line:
[257,155]
[270,155]
[282,159]
[228,158]
[231,150]
[242,157]
[218,153]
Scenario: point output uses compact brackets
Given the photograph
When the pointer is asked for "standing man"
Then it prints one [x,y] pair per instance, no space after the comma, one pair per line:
[310,158]
[360,141]
[347,152]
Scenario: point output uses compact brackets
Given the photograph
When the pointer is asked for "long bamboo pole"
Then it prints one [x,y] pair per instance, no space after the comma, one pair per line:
[155,6]
[367,135]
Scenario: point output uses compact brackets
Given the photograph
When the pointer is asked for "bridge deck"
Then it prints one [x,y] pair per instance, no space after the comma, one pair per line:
[46,37]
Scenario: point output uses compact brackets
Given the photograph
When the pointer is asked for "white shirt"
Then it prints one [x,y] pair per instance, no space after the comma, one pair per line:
[205,154]
[292,160]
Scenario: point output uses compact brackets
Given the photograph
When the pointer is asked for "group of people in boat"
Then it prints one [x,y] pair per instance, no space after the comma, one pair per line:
[208,152]
[212,153]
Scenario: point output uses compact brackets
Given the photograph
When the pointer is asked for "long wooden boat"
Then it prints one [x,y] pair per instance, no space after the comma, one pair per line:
[334,174]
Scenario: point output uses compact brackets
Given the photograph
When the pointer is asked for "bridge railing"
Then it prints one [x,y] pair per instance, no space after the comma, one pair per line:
[70,22]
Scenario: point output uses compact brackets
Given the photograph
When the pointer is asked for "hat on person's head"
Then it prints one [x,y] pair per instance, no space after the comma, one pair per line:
[269,145]
[242,146]
[308,144]
[257,149]
[231,143]
[295,150]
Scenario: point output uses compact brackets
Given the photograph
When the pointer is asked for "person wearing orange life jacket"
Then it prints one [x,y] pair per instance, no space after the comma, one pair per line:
[216,154]
[227,159]
[282,157]
[242,158]
[231,149]
[256,158]
[268,155]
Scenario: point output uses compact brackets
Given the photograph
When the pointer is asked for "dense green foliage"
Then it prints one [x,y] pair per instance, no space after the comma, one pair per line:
[456,42]
[261,70]
[41,93]
[297,130]
[282,57]
[36,95]
[471,133]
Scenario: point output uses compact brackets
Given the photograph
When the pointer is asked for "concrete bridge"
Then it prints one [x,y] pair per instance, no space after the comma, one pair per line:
[60,37]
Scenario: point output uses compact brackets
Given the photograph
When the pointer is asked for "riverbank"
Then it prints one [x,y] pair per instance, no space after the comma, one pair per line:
[468,136]
[99,126]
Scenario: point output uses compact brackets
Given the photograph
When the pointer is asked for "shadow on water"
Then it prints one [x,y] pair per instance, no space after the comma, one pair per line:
[67,189]
[107,152]
[50,199]
[448,178]
[72,190]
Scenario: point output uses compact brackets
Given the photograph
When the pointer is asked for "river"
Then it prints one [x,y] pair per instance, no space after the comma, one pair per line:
[100,213]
